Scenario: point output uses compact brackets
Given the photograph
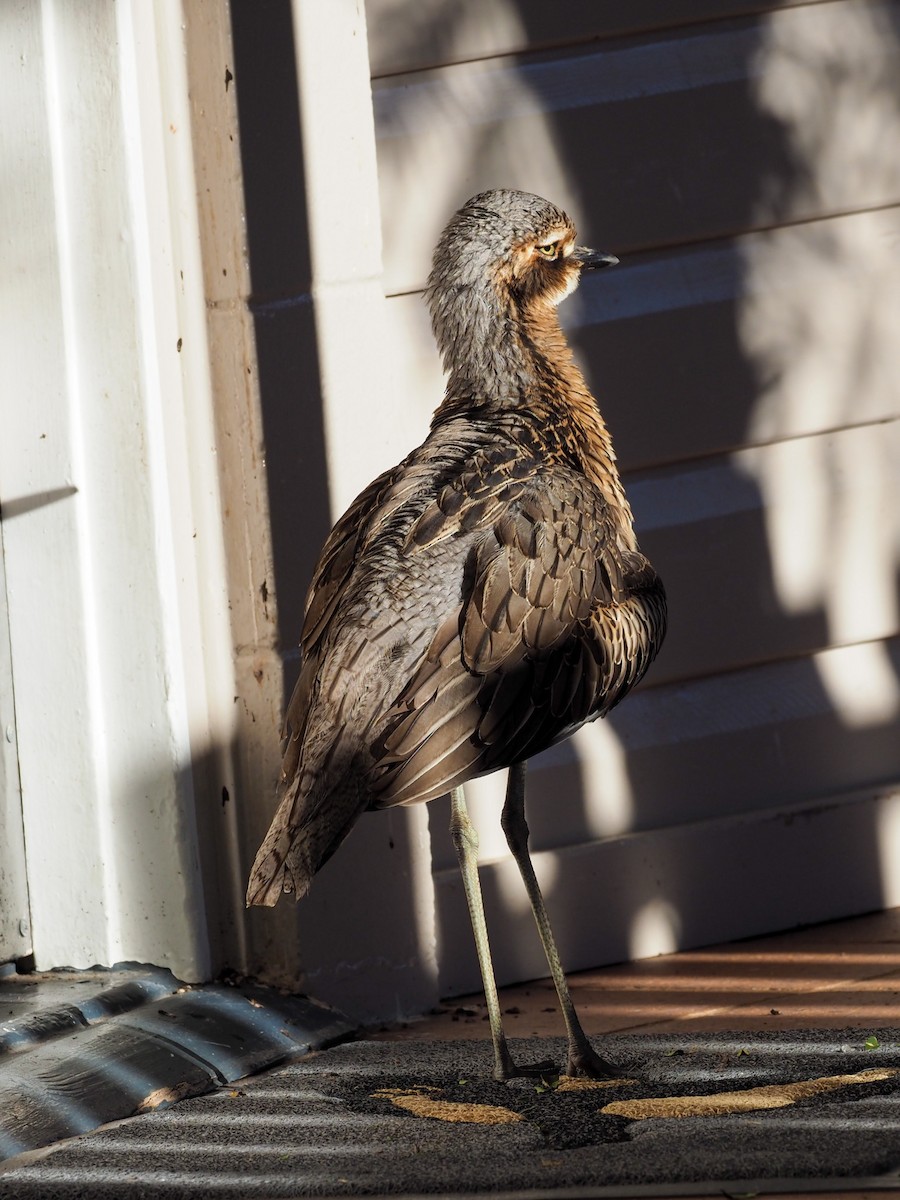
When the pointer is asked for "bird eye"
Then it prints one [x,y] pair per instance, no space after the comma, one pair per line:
[551,250]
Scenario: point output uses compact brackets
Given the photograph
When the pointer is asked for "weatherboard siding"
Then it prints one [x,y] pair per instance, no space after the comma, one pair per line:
[743,161]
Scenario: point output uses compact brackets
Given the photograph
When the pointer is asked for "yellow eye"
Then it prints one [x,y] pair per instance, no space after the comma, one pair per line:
[551,250]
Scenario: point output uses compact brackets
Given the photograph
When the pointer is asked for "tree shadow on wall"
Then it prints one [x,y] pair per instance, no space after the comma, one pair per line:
[711,349]
[742,360]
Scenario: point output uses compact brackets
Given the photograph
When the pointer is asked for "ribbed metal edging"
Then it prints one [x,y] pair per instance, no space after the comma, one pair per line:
[144,1042]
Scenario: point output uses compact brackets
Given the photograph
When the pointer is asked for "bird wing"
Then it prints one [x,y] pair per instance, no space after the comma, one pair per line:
[348,678]
[348,539]
[522,662]
[301,836]
[344,546]
[502,578]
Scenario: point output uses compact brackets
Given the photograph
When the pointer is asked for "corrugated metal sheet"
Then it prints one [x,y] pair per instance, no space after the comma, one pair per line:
[79,1049]
[745,162]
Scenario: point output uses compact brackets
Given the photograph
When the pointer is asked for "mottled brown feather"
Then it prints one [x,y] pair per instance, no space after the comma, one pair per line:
[486,596]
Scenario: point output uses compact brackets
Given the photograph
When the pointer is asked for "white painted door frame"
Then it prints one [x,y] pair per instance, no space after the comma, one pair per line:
[117,608]
[15,920]
[123,641]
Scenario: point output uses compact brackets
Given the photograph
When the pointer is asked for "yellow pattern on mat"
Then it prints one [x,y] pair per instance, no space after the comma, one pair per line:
[578,1083]
[415,1101]
[776,1095]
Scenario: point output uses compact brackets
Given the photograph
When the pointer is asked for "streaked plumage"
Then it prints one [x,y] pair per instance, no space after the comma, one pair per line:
[487,596]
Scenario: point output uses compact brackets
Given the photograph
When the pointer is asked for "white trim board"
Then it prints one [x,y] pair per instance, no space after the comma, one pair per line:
[15,920]
[113,560]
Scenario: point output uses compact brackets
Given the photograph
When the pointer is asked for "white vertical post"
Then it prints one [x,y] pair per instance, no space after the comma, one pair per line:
[116,592]
[338,134]
[15,923]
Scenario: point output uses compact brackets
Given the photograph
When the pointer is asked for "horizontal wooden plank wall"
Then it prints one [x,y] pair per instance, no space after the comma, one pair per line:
[744,160]
[408,36]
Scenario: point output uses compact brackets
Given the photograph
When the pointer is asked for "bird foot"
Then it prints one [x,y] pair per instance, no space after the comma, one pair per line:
[585,1061]
[511,1070]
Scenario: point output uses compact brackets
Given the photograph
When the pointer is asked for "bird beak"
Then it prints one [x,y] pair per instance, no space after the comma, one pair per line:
[593,260]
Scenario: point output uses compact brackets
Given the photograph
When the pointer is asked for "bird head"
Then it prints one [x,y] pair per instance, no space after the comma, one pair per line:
[513,244]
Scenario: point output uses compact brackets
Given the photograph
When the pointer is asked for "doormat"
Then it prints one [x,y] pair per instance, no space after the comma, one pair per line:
[736,1113]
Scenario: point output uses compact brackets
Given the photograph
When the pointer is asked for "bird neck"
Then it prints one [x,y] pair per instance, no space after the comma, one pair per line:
[516,371]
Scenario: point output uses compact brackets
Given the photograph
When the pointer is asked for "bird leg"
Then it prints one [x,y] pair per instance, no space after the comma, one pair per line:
[582,1058]
[465,839]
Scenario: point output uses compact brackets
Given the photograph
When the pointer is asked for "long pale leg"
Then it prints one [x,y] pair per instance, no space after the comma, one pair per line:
[583,1059]
[465,839]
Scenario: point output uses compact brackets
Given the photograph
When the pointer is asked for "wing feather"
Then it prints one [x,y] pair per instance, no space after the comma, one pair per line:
[526,663]
[445,644]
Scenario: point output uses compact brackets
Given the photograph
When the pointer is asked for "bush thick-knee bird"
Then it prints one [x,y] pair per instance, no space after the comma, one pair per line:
[482,599]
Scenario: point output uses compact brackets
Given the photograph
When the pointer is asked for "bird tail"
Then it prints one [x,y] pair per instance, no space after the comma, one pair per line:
[324,782]
[278,867]
[314,816]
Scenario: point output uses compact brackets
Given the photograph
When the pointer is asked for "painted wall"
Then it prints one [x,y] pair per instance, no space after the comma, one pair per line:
[222,225]
[742,160]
